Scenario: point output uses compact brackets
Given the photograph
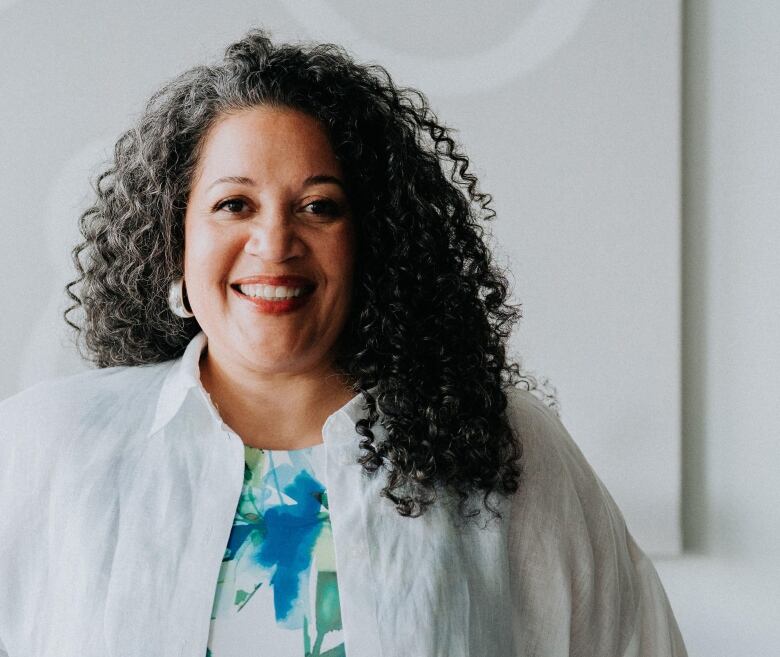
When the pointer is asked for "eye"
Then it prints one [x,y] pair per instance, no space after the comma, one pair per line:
[325,207]
[233,205]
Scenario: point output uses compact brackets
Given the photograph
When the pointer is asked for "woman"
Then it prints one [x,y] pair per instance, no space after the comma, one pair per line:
[303,436]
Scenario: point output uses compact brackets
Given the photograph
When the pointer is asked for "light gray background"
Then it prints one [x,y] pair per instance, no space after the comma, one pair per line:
[571,113]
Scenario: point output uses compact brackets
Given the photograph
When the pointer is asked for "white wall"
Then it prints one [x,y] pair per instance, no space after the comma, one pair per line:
[726,591]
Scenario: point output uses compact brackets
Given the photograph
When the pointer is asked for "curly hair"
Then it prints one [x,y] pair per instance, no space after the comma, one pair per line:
[429,317]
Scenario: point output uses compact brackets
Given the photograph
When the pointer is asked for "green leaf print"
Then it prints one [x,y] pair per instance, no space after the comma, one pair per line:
[327,603]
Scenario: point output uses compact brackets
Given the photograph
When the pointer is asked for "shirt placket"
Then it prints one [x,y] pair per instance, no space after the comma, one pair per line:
[348,516]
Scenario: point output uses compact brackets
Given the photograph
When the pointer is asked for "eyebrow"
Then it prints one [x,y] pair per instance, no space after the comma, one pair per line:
[318,179]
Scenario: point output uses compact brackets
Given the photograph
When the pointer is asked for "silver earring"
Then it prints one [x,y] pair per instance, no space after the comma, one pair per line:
[176,299]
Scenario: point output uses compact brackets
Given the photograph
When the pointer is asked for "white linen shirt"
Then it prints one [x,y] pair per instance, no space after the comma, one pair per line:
[118,489]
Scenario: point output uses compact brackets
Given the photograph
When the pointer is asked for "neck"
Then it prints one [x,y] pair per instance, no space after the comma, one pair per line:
[280,411]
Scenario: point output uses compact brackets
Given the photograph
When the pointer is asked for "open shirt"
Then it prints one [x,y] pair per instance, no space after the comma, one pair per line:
[118,489]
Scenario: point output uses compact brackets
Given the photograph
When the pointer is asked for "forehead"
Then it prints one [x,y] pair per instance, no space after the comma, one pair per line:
[271,140]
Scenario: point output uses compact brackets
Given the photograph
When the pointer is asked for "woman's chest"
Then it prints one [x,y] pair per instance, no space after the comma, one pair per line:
[133,561]
[278,584]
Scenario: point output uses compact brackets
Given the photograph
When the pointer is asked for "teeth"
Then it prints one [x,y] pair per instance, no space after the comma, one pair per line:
[271,292]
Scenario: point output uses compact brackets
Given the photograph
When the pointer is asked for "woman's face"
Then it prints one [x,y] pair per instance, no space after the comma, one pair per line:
[268,201]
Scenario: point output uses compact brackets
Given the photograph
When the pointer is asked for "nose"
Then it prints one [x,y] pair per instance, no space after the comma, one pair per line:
[271,235]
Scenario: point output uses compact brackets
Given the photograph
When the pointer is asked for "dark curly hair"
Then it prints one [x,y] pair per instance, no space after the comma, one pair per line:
[429,317]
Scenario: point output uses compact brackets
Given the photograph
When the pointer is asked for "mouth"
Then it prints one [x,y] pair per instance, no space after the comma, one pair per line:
[272,293]
[273,299]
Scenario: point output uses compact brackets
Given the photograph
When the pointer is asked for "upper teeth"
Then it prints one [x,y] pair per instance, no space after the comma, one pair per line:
[271,291]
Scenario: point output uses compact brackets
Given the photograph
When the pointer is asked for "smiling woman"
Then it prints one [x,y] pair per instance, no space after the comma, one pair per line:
[303,407]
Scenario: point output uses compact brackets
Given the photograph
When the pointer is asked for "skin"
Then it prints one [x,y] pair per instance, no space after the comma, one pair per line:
[270,376]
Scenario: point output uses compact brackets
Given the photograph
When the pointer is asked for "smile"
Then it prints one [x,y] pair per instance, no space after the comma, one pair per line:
[273,299]
[271,292]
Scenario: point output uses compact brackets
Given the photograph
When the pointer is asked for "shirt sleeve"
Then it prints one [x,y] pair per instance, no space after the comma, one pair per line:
[581,584]
[656,631]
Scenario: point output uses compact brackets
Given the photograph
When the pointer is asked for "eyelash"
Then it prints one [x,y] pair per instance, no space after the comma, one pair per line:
[222,204]
[333,208]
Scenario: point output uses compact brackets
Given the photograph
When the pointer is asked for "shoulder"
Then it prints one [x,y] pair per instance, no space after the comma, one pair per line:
[561,507]
[64,392]
[58,405]
[552,460]
[63,431]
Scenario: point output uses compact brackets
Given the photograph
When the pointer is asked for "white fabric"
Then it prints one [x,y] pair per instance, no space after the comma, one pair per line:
[118,489]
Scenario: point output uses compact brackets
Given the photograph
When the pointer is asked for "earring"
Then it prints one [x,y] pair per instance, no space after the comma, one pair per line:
[176,299]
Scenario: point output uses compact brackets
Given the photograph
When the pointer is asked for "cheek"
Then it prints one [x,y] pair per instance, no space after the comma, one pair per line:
[206,251]
[208,259]
[342,255]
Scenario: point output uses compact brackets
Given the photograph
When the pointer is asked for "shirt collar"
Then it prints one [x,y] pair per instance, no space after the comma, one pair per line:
[184,375]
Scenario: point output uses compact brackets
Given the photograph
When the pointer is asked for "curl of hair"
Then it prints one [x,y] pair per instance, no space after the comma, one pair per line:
[429,318]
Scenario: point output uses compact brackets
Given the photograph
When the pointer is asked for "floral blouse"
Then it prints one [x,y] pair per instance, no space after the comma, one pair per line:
[277,591]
